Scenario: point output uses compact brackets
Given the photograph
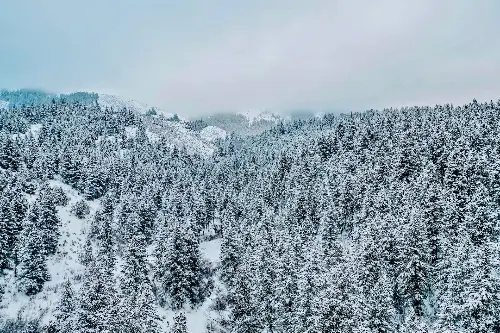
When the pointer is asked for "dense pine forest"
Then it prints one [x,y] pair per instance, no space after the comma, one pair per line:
[381,221]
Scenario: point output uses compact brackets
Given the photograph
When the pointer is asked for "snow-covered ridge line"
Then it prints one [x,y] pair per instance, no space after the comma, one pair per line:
[212,133]
[133,105]
[257,115]
[176,131]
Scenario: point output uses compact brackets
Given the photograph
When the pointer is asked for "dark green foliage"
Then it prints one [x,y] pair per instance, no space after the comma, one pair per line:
[70,169]
[7,232]
[10,156]
[48,220]
[175,117]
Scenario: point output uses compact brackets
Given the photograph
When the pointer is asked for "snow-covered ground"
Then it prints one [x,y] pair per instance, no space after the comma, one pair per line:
[133,105]
[175,132]
[130,131]
[212,133]
[4,104]
[257,115]
[65,264]
[197,318]
[34,130]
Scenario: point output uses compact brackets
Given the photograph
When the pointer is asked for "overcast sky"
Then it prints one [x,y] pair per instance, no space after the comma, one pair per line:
[200,56]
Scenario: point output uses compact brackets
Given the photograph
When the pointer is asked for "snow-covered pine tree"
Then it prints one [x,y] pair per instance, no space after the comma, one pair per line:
[180,325]
[94,182]
[10,156]
[48,220]
[97,307]
[138,305]
[65,312]
[179,268]
[7,232]
[31,251]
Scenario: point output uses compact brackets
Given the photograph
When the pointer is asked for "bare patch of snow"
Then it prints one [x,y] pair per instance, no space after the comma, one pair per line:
[119,102]
[35,129]
[152,137]
[64,264]
[130,131]
[211,250]
[257,115]
[212,133]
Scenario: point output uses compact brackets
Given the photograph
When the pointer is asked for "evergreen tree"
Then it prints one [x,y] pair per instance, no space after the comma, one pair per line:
[10,156]
[48,221]
[32,271]
[7,233]
[66,310]
[180,325]
[179,267]
[95,183]
[137,308]
[413,279]
[70,169]
[97,307]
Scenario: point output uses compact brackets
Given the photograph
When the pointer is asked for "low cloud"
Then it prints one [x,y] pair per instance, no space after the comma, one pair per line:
[194,58]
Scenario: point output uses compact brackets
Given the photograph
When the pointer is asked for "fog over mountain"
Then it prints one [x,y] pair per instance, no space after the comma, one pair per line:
[197,58]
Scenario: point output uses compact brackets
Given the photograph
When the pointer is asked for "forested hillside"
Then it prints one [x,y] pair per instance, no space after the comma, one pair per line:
[382,221]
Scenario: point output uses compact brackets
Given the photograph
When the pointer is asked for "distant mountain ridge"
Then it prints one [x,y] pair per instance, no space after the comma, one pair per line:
[241,123]
[159,122]
[106,100]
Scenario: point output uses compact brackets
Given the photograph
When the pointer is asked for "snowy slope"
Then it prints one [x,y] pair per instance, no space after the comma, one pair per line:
[257,115]
[4,104]
[64,264]
[212,133]
[175,133]
[133,105]
[197,319]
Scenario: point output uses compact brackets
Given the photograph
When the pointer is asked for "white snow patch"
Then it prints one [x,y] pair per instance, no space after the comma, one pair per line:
[64,264]
[119,102]
[257,115]
[34,130]
[197,319]
[130,131]
[212,133]
[211,250]
[152,137]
